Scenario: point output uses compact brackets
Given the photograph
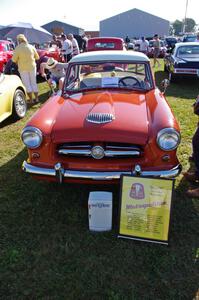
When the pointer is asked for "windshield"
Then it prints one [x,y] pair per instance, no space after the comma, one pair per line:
[136,76]
[106,45]
[188,51]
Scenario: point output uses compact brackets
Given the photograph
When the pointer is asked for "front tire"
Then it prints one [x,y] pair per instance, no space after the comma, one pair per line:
[19,105]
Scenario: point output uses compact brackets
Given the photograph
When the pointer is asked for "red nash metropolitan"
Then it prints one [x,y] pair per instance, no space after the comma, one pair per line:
[109,119]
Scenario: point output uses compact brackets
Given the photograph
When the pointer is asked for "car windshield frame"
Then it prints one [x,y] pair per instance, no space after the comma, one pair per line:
[108,78]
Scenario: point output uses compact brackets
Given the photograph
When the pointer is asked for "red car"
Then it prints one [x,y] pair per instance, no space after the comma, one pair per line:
[49,50]
[6,52]
[107,121]
[105,43]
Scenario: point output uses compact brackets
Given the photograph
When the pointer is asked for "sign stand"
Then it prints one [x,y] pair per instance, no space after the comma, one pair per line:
[145,208]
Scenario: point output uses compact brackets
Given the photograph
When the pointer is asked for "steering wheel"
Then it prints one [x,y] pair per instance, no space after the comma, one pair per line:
[131,78]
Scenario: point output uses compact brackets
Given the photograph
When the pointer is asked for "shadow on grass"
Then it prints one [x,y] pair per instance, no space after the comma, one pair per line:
[48,251]
[185,88]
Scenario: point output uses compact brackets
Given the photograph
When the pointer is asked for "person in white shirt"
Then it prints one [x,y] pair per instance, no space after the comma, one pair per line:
[74,44]
[67,48]
[144,45]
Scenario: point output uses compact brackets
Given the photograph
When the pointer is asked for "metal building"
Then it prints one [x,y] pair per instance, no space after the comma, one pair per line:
[134,23]
[57,27]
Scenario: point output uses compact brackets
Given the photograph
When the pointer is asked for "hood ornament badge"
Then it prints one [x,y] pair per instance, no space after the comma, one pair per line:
[100,118]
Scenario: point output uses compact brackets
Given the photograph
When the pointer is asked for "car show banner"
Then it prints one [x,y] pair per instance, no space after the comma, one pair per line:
[145,208]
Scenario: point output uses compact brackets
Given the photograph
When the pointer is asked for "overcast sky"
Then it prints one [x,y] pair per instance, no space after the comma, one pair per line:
[86,14]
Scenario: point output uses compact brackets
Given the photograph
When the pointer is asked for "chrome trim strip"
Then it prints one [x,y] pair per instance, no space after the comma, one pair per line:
[185,71]
[28,168]
[112,153]
[74,152]
[107,153]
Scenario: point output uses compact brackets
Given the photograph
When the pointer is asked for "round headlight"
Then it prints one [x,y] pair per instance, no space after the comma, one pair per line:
[32,137]
[168,139]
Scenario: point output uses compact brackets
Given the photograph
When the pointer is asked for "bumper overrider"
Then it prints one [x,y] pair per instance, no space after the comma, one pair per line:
[60,173]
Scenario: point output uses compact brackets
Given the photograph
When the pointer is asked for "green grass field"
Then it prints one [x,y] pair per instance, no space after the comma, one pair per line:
[48,252]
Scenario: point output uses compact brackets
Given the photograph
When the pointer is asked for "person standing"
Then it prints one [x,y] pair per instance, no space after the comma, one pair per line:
[56,41]
[74,44]
[127,40]
[67,48]
[156,52]
[84,42]
[25,56]
[144,45]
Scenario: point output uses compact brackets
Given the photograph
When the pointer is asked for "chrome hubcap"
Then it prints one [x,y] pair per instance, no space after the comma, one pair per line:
[20,105]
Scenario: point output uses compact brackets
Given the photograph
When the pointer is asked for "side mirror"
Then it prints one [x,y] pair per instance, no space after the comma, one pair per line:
[164,84]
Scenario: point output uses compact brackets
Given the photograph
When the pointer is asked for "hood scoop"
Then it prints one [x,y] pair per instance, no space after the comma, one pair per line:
[102,111]
[100,118]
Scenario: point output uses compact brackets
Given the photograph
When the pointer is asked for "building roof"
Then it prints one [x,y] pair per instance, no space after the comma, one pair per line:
[61,23]
[109,55]
[135,10]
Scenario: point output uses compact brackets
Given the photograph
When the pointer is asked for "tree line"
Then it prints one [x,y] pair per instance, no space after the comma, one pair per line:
[187,25]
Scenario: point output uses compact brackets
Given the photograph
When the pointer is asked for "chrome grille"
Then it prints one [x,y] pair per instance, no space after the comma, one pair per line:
[100,118]
[114,150]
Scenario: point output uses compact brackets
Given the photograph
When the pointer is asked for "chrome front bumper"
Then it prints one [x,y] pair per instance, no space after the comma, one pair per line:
[60,173]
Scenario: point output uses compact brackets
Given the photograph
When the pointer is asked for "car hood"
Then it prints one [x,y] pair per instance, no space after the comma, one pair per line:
[128,111]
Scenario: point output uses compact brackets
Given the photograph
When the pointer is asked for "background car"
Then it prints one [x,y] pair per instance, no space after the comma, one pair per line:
[105,43]
[6,52]
[49,50]
[189,38]
[12,97]
[108,121]
[170,42]
[183,61]
[162,52]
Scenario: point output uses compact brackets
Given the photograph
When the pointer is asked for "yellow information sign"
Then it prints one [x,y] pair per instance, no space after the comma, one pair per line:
[145,208]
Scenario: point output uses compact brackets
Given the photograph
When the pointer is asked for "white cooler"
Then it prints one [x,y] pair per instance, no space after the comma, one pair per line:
[100,211]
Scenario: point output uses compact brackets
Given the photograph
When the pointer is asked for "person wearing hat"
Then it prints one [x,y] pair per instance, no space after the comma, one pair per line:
[25,56]
[56,69]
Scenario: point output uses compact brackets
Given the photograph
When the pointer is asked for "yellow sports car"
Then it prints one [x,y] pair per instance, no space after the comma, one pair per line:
[12,97]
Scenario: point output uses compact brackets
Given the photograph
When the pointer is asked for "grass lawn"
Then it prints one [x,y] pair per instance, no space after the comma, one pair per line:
[48,252]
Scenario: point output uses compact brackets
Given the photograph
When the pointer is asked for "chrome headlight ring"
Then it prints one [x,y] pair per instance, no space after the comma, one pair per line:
[32,137]
[168,139]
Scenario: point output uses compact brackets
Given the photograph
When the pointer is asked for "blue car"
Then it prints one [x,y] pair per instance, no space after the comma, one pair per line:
[183,61]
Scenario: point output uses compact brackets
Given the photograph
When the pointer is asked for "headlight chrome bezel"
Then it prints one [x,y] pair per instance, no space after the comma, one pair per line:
[32,130]
[168,132]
